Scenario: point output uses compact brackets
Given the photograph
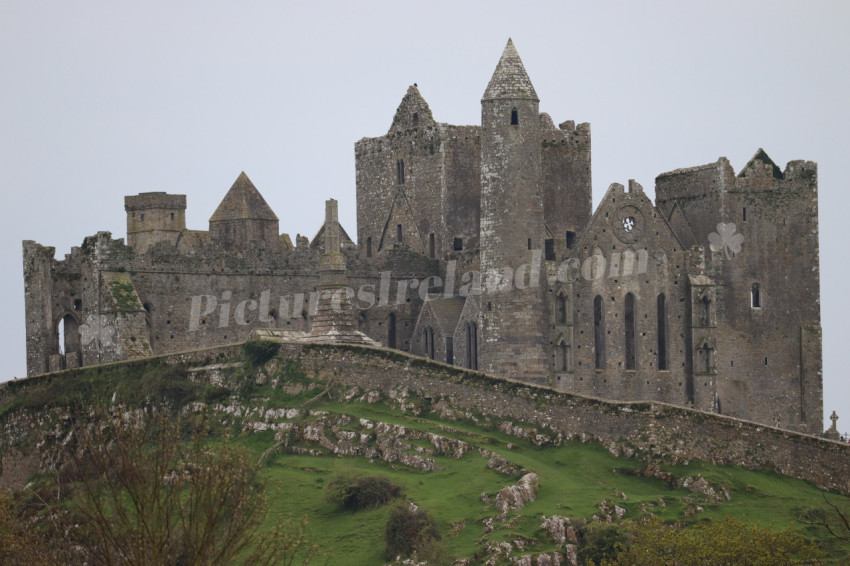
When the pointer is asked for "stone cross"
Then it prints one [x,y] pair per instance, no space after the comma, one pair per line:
[834,418]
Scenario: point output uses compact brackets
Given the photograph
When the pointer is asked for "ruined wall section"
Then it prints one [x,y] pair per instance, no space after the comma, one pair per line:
[764,259]
[611,262]
[121,305]
[460,198]
[566,180]
[41,339]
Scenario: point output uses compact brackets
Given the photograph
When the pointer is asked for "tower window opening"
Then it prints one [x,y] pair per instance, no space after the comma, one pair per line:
[431,246]
[755,296]
[399,168]
[571,240]
[415,119]
[369,246]
[172,217]
[458,244]
[514,117]
[529,243]
[398,233]
[744,214]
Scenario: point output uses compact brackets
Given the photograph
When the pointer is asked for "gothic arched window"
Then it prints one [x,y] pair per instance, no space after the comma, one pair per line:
[661,332]
[631,354]
[598,333]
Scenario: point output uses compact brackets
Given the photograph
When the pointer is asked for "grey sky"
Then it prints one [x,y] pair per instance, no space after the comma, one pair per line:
[105,99]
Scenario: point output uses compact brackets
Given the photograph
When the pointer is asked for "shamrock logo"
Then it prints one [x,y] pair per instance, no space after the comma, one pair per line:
[726,239]
[97,329]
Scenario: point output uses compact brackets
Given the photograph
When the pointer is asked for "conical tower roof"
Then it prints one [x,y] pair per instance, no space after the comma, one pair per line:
[510,79]
[243,202]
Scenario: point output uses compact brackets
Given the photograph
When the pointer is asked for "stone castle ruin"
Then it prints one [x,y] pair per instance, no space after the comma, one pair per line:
[478,246]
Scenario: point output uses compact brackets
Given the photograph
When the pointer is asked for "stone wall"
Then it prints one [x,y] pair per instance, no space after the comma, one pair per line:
[649,431]
[643,430]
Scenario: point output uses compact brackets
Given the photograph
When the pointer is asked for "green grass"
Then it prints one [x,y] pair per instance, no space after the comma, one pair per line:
[574,478]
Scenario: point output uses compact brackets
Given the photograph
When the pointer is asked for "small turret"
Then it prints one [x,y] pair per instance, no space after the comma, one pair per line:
[153,218]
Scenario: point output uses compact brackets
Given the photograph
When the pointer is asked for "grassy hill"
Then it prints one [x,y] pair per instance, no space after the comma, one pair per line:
[308,433]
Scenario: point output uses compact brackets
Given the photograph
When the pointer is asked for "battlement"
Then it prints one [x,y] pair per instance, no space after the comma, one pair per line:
[154,200]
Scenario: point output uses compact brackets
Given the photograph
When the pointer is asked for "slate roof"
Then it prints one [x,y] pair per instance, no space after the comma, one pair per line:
[243,202]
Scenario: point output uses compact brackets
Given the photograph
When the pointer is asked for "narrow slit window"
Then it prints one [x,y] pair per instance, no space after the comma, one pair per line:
[514,117]
[571,240]
[631,353]
[471,345]
[369,246]
[598,333]
[432,252]
[415,119]
[391,341]
[398,233]
[755,296]
[399,165]
[662,332]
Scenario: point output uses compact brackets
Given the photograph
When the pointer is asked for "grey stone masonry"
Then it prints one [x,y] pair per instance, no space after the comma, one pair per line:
[479,245]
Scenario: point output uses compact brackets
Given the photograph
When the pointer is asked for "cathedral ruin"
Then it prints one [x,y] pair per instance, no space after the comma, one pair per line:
[478,246]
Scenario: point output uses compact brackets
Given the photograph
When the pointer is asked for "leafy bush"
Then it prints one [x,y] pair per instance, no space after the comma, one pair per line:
[361,492]
[409,529]
[259,352]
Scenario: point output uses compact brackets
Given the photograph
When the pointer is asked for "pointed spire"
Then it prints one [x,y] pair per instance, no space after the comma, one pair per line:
[243,201]
[510,79]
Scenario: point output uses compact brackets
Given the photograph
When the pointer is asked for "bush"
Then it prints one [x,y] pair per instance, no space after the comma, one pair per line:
[600,542]
[361,492]
[410,529]
[259,352]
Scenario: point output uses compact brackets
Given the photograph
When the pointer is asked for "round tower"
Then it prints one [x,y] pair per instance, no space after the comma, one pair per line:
[512,227]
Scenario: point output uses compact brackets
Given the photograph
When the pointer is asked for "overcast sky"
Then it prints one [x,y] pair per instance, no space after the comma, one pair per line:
[105,99]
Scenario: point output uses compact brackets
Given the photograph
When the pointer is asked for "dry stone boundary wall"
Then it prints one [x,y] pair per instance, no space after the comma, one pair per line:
[649,431]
